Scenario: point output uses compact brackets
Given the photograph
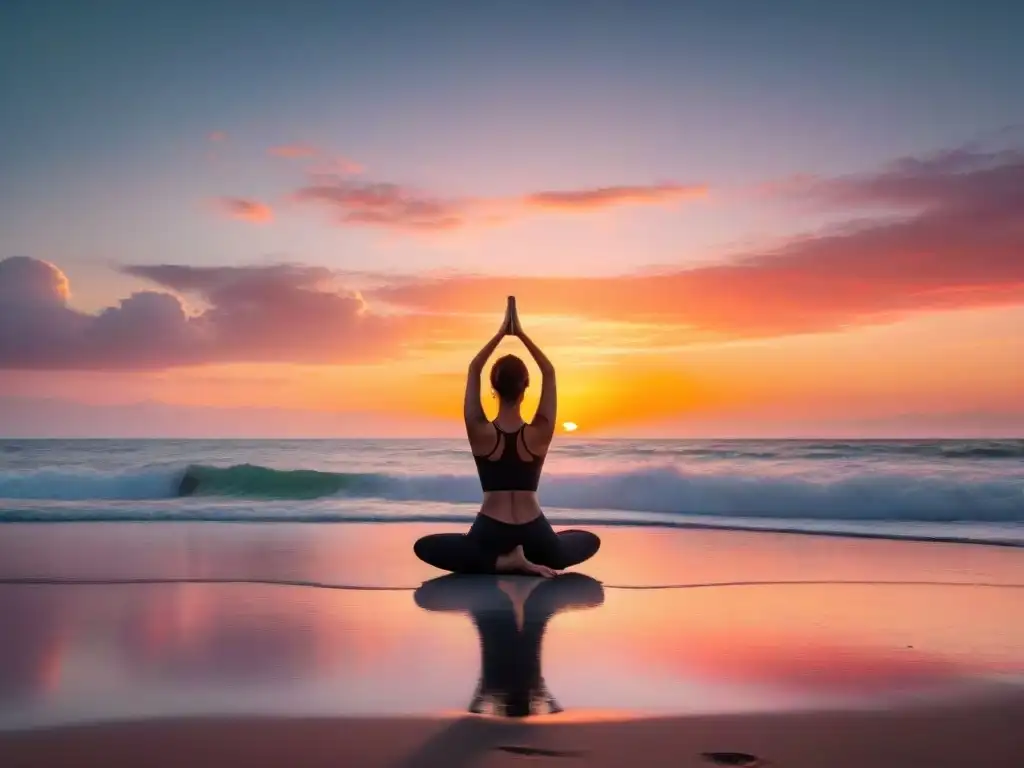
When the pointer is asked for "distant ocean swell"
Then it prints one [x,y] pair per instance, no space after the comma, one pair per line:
[828,450]
[874,496]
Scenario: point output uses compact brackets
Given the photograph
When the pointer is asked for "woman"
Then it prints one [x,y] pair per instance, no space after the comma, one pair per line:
[510,533]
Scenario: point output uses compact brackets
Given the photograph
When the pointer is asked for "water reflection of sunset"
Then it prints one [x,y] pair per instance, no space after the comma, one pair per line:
[756,640]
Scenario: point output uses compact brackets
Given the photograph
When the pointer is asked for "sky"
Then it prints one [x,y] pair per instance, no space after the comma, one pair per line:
[720,219]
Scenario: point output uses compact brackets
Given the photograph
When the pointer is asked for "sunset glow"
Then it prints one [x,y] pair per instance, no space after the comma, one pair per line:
[723,252]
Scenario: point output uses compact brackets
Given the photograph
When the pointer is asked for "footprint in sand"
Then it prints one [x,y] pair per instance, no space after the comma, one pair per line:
[734,758]
[536,752]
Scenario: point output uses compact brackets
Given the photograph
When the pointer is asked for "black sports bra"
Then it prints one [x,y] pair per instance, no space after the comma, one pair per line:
[509,472]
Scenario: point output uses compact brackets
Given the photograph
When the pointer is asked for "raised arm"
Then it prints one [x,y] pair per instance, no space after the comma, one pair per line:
[544,419]
[473,409]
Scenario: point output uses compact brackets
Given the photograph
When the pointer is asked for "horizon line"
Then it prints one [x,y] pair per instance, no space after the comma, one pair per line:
[861,438]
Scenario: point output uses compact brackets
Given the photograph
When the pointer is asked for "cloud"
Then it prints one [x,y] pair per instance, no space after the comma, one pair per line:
[292,151]
[68,418]
[246,210]
[958,243]
[957,180]
[341,166]
[604,197]
[217,136]
[384,205]
[326,164]
[951,236]
[32,281]
[392,206]
[282,313]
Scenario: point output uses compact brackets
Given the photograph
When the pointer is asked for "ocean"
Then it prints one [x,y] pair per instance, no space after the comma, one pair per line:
[946,490]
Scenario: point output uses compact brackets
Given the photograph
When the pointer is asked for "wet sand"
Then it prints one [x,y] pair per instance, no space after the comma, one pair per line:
[983,734]
[321,644]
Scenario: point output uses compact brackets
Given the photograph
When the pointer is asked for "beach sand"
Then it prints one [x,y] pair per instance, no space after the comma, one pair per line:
[310,644]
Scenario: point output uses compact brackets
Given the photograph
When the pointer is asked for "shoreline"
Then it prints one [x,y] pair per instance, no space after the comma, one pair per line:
[369,554]
[6,518]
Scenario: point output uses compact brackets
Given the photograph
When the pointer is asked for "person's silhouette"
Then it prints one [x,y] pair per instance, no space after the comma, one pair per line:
[511,614]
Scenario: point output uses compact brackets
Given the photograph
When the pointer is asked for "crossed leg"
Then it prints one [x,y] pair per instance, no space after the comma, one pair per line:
[476,551]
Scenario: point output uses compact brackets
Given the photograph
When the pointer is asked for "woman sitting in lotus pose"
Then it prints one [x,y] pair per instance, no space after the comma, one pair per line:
[510,533]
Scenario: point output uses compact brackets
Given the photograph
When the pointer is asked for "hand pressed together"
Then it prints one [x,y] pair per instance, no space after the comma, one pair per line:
[511,326]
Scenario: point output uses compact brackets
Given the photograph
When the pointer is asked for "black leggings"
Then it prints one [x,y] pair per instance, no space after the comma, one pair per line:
[477,551]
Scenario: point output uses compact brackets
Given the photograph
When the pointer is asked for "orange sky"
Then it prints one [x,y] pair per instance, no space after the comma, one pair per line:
[609,384]
[903,323]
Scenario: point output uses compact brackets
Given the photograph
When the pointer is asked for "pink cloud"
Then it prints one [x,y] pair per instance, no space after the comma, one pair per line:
[246,210]
[326,165]
[603,197]
[345,166]
[393,206]
[958,243]
[957,179]
[217,136]
[384,205]
[292,151]
[334,167]
[962,247]
[281,313]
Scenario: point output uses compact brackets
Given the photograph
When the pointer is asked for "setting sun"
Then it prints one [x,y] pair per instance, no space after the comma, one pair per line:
[678,288]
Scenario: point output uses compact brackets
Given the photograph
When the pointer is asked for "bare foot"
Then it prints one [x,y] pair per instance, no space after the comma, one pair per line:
[516,561]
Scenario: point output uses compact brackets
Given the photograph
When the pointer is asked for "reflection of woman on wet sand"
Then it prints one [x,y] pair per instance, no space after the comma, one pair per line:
[511,615]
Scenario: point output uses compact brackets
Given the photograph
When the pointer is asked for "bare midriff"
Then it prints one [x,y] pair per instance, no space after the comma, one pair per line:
[514,507]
